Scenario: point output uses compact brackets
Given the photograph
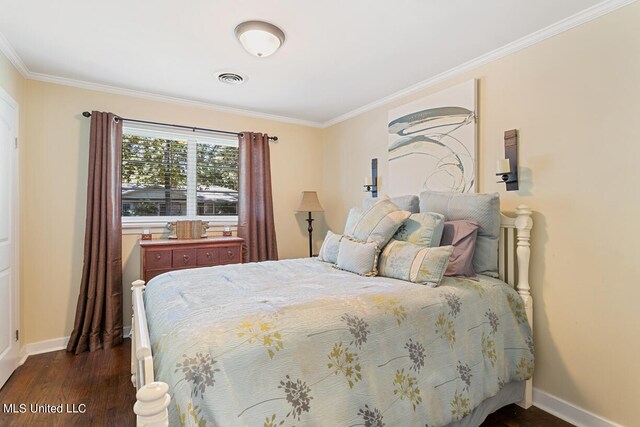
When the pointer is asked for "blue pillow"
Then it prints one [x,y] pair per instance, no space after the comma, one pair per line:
[422,229]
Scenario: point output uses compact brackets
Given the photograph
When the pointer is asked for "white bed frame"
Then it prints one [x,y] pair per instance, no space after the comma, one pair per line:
[153,398]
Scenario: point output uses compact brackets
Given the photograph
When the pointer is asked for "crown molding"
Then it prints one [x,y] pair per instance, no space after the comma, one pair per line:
[566,24]
[579,18]
[168,99]
[10,53]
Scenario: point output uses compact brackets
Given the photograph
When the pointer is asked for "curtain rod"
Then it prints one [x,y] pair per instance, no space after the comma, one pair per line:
[192,128]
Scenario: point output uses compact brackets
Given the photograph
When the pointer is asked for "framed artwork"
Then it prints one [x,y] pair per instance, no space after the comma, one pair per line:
[432,142]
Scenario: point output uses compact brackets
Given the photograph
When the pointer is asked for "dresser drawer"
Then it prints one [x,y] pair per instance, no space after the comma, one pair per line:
[163,255]
[229,255]
[184,258]
[207,256]
[157,259]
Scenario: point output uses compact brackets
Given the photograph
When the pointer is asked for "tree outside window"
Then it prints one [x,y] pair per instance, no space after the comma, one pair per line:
[178,176]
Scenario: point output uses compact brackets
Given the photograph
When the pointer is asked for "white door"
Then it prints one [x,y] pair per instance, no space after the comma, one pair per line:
[9,344]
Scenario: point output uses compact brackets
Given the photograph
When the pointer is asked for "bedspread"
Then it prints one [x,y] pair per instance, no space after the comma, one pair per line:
[297,342]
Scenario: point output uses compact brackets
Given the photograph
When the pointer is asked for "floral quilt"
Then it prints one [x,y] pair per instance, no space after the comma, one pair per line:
[297,342]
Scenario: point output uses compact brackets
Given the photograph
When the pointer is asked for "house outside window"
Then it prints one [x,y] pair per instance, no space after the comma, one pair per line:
[169,175]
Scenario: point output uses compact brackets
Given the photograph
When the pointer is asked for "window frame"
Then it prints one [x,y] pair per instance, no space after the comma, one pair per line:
[157,224]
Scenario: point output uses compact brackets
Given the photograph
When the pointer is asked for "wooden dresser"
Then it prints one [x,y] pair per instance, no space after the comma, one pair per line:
[162,255]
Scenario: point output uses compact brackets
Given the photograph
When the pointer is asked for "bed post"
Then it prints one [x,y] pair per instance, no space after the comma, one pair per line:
[523,224]
[152,398]
[138,284]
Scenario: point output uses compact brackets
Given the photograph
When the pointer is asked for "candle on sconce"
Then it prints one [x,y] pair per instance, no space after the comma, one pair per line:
[367,180]
[502,166]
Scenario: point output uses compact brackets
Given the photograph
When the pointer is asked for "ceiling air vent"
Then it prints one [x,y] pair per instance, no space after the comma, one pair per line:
[231,78]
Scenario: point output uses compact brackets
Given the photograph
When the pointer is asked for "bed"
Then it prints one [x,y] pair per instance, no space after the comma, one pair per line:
[299,342]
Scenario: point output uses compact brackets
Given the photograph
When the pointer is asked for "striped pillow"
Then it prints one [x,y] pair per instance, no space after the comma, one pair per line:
[413,263]
[378,223]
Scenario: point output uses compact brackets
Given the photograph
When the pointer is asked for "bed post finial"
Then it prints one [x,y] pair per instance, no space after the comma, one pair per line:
[137,284]
[151,405]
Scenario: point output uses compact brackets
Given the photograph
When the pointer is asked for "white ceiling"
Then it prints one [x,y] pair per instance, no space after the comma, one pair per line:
[338,55]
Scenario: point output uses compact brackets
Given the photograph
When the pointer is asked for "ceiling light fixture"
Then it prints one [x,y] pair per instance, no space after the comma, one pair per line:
[259,38]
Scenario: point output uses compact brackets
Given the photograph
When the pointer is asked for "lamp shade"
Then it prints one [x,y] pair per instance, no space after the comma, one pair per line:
[309,202]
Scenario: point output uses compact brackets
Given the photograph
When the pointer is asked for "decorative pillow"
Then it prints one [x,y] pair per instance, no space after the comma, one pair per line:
[422,229]
[330,248]
[354,214]
[378,223]
[406,203]
[418,264]
[358,257]
[462,235]
[483,208]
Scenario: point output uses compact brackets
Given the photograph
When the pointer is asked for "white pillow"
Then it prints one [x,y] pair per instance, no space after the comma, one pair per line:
[358,257]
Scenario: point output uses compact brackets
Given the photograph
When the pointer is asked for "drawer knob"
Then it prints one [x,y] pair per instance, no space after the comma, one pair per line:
[229,254]
[158,256]
[208,254]
[185,258]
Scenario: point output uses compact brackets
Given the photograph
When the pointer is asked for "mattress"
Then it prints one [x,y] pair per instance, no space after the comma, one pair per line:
[297,342]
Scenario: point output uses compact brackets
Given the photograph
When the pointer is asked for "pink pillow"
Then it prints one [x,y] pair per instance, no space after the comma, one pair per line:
[462,235]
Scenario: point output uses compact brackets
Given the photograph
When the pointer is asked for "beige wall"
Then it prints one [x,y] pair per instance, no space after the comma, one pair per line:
[575,99]
[54,199]
[11,80]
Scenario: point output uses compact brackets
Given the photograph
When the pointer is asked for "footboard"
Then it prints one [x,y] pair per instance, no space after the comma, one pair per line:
[513,267]
[152,398]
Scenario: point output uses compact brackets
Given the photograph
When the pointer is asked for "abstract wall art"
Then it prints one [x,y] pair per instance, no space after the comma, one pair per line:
[432,142]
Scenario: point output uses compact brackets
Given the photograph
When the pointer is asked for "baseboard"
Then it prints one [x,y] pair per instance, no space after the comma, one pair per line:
[23,356]
[568,411]
[54,344]
[46,346]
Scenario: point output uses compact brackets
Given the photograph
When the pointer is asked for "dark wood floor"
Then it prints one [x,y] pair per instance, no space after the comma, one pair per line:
[101,381]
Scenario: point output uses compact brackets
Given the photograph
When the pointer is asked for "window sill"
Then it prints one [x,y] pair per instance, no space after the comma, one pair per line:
[136,226]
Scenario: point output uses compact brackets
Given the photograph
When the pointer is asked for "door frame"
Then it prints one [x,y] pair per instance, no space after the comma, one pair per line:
[17,353]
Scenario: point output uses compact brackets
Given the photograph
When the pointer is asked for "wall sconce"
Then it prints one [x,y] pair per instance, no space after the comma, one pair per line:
[371,182]
[507,168]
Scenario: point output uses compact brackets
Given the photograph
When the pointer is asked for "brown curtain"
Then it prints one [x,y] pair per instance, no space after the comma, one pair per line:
[255,204]
[99,311]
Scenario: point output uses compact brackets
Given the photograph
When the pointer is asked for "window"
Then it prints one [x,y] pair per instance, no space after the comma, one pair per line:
[174,175]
